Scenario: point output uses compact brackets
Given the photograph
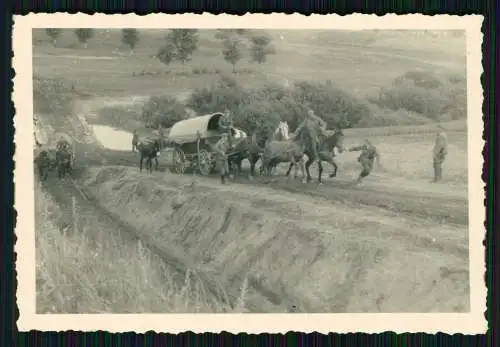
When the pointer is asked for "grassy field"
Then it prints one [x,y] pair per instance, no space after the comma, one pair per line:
[106,68]
[84,266]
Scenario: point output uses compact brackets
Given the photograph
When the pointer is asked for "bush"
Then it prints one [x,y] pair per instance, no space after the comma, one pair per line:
[258,117]
[164,110]
[434,97]
[125,117]
[331,103]
[263,108]
[226,93]
[379,117]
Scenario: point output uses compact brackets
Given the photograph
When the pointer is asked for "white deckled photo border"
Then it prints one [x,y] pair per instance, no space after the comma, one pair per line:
[467,323]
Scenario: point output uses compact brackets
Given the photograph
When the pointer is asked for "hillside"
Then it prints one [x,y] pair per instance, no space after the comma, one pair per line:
[357,61]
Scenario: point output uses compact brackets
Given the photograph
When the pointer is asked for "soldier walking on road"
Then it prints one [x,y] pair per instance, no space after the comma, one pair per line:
[439,153]
[367,157]
[221,149]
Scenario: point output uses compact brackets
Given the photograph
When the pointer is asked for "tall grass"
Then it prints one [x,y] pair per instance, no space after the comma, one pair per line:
[83,267]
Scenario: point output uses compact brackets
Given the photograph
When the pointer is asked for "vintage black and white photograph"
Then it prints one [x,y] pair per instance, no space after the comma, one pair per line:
[237,169]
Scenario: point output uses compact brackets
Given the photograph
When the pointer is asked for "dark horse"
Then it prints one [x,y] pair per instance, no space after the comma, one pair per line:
[250,149]
[63,162]
[327,143]
[150,151]
[43,164]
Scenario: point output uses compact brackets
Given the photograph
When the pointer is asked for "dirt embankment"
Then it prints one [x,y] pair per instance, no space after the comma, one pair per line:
[321,256]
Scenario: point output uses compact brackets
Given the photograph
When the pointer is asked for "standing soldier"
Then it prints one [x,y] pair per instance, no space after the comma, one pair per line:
[221,149]
[366,158]
[62,144]
[135,140]
[439,153]
[226,120]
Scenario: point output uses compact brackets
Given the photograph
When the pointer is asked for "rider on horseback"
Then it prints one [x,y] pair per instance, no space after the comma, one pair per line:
[316,127]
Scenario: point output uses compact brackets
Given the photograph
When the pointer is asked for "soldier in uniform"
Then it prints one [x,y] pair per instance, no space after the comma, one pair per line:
[161,134]
[439,153]
[222,149]
[316,126]
[62,144]
[135,140]
[226,120]
[367,157]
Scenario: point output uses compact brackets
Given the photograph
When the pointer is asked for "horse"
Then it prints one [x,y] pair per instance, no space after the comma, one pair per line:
[326,146]
[282,132]
[250,149]
[43,164]
[150,151]
[63,163]
[292,150]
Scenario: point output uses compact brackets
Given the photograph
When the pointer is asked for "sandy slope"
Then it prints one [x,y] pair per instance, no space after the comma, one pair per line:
[323,256]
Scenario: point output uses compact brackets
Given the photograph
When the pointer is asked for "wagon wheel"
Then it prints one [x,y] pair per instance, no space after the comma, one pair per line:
[179,161]
[205,164]
[204,158]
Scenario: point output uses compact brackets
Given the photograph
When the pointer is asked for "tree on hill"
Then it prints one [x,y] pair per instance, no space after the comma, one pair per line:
[180,44]
[83,35]
[261,48]
[232,52]
[53,33]
[130,37]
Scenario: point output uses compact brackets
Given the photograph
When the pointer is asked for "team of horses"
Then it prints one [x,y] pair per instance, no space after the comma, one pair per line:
[284,147]
[271,149]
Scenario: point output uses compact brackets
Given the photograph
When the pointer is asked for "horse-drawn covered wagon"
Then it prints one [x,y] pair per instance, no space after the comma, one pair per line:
[191,142]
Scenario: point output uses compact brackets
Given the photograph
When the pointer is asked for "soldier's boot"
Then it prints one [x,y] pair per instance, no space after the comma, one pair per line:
[358,180]
[436,173]
[439,173]
[223,179]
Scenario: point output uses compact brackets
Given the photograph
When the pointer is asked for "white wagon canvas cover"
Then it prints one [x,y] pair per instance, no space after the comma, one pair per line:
[186,131]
